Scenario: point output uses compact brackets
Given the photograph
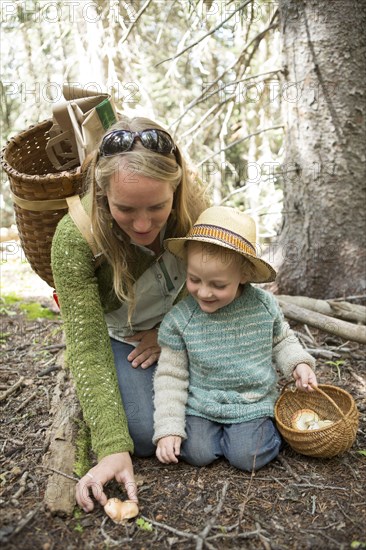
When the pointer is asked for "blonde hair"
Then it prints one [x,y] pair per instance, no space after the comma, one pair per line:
[189,200]
[225,255]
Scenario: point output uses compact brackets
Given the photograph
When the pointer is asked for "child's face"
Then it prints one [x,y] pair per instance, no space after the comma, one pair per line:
[213,281]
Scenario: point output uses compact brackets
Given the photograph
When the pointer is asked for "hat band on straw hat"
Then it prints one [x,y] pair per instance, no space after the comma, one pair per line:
[225,236]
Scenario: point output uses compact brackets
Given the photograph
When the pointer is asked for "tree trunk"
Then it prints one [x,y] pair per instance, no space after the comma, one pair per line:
[321,249]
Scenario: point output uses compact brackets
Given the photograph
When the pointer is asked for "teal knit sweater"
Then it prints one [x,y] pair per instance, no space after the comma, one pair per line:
[221,366]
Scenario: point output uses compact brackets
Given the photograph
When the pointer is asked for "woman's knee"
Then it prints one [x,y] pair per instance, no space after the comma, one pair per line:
[143,448]
[141,429]
[142,441]
[136,389]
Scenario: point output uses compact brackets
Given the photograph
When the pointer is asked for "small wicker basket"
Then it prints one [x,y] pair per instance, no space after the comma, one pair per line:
[330,403]
[39,193]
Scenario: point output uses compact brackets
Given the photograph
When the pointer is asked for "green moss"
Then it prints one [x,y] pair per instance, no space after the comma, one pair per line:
[10,299]
[6,303]
[83,461]
[37,311]
[33,310]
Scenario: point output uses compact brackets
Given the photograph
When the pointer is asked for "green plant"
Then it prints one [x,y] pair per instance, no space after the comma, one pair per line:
[3,337]
[336,364]
[144,525]
[78,514]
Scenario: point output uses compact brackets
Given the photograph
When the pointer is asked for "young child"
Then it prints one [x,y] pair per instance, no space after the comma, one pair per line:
[215,384]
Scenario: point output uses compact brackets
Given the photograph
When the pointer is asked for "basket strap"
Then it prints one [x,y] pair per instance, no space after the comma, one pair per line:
[330,400]
[316,388]
[76,211]
[82,222]
[40,205]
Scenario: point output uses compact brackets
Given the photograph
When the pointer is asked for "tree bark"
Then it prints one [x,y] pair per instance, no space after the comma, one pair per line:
[321,250]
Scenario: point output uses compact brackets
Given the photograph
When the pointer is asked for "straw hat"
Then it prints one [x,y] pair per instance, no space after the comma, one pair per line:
[229,228]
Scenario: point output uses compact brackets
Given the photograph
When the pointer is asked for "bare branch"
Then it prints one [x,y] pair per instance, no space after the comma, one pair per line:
[256,40]
[202,97]
[138,15]
[239,141]
[206,35]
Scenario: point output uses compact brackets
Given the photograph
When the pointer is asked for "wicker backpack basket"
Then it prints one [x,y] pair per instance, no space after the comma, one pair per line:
[38,193]
[330,403]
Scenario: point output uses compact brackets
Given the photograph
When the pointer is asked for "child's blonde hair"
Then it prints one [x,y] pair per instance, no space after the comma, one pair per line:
[225,255]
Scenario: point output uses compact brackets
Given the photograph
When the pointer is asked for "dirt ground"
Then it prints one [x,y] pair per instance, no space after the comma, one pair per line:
[296,502]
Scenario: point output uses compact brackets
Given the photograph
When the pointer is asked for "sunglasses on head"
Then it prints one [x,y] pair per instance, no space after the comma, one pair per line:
[120,141]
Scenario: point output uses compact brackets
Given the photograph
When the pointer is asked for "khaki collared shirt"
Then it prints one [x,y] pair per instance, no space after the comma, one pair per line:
[155,292]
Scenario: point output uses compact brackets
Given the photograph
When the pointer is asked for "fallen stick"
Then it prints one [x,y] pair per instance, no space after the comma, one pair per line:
[48,370]
[12,389]
[351,312]
[203,534]
[323,353]
[288,468]
[22,486]
[73,478]
[59,497]
[54,347]
[24,522]
[343,329]
[200,538]
[333,308]
[25,403]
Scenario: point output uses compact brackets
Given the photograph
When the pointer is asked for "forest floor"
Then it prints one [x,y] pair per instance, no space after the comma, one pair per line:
[296,502]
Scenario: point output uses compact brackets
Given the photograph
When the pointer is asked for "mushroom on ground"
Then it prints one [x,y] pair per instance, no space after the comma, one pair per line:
[119,511]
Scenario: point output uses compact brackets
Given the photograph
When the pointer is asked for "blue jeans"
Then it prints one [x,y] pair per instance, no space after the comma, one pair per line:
[247,445]
[136,388]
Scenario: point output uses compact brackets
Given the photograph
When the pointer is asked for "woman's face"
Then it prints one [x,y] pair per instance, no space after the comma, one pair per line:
[139,205]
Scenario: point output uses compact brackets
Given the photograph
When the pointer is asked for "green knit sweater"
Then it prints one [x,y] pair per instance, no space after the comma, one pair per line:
[220,366]
[85,295]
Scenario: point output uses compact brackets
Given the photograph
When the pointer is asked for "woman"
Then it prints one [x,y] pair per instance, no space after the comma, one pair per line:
[140,193]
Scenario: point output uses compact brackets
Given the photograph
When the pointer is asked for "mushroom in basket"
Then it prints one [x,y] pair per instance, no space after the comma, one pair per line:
[306,419]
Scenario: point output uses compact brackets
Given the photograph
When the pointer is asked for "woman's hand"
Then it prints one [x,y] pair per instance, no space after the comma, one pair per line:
[147,352]
[304,377]
[117,466]
[168,448]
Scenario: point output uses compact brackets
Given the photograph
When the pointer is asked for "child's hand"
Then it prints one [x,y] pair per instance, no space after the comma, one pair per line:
[168,449]
[304,377]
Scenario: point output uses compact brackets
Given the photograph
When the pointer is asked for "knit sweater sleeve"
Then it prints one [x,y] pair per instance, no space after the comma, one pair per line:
[171,393]
[287,350]
[89,352]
